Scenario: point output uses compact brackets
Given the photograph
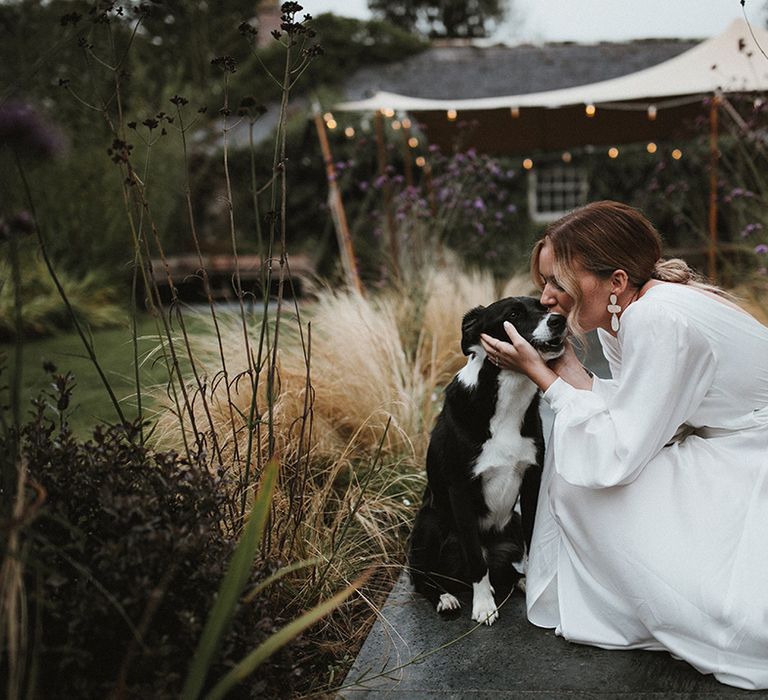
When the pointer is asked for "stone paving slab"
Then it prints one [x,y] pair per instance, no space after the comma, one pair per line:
[412,652]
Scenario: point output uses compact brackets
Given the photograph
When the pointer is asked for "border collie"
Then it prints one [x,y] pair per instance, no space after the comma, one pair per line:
[486,448]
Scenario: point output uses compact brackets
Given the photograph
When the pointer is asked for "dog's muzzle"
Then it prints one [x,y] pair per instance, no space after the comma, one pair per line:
[549,336]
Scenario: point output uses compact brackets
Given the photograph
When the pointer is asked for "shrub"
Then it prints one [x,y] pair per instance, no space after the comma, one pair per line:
[124,561]
[44,311]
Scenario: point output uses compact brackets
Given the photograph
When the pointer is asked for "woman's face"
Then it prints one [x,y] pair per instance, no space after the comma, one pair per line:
[595,292]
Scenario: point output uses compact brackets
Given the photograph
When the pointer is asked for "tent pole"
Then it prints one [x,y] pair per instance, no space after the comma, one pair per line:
[714,154]
[338,213]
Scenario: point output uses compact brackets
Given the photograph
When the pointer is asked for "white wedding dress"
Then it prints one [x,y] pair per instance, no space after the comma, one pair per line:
[646,538]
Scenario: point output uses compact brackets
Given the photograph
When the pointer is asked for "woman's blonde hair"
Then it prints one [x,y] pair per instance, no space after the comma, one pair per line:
[603,237]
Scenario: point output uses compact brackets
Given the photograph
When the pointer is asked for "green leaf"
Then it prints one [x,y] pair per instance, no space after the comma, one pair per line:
[280,638]
[283,571]
[232,586]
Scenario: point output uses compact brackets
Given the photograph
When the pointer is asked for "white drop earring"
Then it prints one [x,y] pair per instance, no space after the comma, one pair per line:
[614,309]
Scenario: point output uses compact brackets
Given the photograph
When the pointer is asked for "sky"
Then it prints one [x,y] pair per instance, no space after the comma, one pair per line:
[538,21]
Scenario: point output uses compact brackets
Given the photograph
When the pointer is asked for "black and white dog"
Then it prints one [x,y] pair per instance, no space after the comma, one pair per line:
[486,449]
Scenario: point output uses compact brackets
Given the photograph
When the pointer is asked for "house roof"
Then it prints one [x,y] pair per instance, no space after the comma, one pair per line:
[465,72]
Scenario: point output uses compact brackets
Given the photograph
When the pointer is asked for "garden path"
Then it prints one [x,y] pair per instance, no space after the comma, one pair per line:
[412,653]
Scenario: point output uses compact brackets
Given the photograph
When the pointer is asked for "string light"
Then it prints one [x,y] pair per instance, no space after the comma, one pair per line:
[349,131]
[613,152]
[527,163]
[388,112]
[331,124]
[395,125]
[677,154]
[421,161]
[515,112]
[651,147]
[328,116]
[652,111]
[406,123]
[451,114]
[413,142]
[567,157]
[590,110]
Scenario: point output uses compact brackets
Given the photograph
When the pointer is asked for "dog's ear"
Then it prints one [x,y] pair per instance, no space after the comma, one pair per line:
[470,329]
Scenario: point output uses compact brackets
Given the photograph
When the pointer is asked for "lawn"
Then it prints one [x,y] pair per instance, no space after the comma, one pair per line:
[114,350]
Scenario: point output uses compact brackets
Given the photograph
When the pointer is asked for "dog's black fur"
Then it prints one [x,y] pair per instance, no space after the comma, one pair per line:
[486,446]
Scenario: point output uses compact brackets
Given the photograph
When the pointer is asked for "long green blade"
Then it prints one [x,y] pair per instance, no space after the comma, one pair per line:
[232,586]
[280,638]
[284,571]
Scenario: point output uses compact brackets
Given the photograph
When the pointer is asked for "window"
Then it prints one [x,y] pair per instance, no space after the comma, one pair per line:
[554,190]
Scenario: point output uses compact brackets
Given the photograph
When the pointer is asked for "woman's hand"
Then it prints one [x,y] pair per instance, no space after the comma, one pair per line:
[569,367]
[518,355]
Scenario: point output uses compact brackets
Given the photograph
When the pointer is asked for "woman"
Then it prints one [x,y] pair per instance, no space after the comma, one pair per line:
[652,522]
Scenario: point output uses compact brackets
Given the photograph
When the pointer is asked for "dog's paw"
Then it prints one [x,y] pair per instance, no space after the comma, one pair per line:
[521,584]
[485,611]
[483,604]
[447,602]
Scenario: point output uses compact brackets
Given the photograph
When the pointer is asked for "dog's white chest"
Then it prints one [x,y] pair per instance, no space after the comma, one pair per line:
[506,454]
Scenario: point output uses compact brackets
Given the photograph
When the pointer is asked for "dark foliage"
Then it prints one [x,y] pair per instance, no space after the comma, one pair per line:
[442,18]
[348,44]
[123,562]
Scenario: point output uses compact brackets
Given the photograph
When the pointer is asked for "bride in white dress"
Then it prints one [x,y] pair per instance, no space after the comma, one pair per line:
[652,523]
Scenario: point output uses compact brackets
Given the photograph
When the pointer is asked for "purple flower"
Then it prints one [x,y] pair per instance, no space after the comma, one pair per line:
[749,229]
[479,228]
[511,209]
[23,129]
[479,204]
[761,249]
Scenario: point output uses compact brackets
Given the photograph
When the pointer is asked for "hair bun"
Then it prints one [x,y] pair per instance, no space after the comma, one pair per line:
[673,270]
